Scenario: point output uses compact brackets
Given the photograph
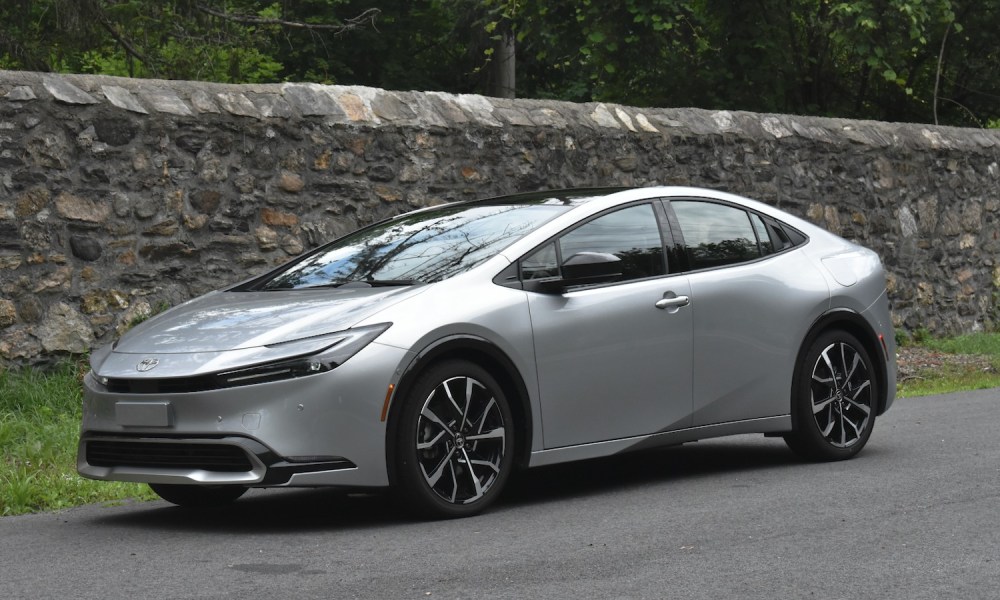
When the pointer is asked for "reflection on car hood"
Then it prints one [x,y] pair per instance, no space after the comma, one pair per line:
[223,321]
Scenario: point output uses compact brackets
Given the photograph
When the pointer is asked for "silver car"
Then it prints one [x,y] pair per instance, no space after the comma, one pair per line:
[435,352]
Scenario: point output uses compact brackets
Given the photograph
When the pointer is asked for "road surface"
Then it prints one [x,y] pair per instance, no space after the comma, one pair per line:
[915,515]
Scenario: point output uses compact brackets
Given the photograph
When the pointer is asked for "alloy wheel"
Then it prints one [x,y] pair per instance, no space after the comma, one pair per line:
[841,394]
[461,440]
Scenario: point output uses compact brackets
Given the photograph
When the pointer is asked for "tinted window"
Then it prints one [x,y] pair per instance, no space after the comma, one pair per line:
[716,234]
[632,234]
[763,236]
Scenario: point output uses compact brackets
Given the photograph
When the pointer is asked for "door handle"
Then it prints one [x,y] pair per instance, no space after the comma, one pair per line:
[674,302]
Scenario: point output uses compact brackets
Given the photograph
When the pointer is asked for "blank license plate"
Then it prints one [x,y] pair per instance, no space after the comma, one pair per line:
[142,414]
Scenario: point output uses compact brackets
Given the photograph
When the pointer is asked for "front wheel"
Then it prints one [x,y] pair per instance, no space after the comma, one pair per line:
[835,399]
[198,496]
[456,442]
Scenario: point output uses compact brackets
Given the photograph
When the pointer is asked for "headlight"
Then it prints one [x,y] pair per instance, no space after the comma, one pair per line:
[336,349]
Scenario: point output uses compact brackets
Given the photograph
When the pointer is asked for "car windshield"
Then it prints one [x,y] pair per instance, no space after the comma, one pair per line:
[423,247]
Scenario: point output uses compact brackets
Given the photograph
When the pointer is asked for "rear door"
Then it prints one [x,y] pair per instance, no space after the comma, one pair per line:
[756,294]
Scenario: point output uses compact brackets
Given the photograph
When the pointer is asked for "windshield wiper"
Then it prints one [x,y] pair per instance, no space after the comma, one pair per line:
[364,283]
[380,282]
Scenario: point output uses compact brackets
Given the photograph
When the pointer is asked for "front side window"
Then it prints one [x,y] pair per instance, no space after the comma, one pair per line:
[632,234]
[541,264]
[716,234]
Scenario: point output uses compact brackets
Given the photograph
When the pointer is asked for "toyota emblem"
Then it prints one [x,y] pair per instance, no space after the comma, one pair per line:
[147,364]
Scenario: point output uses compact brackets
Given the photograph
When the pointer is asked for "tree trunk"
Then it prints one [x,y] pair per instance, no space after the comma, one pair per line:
[503,63]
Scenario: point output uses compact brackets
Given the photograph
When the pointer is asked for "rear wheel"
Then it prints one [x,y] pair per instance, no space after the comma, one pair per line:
[198,496]
[456,442]
[835,395]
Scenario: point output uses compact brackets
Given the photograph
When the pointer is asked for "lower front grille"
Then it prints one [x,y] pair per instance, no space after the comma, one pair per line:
[207,457]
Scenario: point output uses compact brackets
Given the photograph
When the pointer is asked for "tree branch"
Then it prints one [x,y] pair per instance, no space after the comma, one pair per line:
[130,49]
[937,75]
[367,16]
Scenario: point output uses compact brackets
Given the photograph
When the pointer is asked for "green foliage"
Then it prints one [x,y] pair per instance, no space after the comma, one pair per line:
[949,379]
[864,58]
[986,344]
[901,60]
[921,335]
[39,429]
[180,39]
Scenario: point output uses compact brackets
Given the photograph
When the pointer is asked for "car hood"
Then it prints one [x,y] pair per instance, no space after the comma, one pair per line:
[226,330]
[222,321]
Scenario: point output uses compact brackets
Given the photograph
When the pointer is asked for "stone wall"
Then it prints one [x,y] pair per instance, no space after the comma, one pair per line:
[119,197]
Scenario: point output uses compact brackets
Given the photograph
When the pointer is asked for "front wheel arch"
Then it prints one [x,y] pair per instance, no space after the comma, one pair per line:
[483,353]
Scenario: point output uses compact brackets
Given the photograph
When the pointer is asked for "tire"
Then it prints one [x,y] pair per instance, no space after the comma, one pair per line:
[198,496]
[834,396]
[455,446]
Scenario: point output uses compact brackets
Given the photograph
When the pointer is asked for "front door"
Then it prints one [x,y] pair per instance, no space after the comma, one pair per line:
[614,361]
[611,364]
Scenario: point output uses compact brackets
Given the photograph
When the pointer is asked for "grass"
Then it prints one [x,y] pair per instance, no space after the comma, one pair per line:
[39,429]
[40,424]
[987,344]
[954,375]
[952,380]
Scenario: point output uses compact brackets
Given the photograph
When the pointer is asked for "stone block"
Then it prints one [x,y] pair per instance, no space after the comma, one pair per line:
[123,98]
[82,209]
[85,248]
[64,91]
[270,216]
[8,313]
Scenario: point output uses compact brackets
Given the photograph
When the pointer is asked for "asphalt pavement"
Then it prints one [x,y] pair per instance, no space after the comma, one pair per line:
[914,516]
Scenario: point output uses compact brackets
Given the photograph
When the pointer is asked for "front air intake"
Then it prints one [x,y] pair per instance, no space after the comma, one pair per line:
[206,457]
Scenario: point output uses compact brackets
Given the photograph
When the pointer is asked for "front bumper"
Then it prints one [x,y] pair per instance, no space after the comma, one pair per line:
[227,460]
[318,430]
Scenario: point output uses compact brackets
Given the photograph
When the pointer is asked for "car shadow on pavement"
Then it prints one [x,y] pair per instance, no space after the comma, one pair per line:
[277,510]
[663,466]
[284,510]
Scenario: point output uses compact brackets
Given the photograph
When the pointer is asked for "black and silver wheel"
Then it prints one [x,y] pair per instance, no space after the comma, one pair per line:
[835,396]
[456,441]
[198,496]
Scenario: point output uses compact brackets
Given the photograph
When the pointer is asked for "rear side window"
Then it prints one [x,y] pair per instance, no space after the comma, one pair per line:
[719,234]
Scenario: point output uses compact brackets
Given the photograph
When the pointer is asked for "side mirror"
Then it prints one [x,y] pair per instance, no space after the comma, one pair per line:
[591,267]
[582,268]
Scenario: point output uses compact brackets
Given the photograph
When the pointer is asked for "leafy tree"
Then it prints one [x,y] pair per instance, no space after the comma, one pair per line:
[864,58]
[905,60]
[216,40]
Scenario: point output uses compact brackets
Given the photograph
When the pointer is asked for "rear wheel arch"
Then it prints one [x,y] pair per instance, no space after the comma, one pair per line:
[488,356]
[854,324]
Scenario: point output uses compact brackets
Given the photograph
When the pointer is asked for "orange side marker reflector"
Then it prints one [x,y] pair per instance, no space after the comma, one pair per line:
[385,405]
